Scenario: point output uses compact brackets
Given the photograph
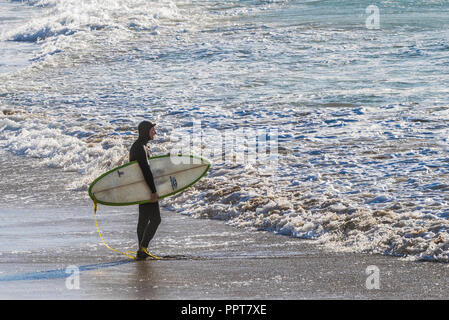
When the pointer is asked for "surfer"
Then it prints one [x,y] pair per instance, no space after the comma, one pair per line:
[149,213]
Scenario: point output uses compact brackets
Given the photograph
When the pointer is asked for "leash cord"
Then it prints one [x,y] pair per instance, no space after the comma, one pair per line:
[127,253]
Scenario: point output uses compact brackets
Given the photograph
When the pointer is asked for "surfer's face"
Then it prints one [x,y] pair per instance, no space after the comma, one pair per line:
[152,133]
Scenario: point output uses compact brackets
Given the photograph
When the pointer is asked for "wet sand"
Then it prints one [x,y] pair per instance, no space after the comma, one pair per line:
[204,259]
[248,265]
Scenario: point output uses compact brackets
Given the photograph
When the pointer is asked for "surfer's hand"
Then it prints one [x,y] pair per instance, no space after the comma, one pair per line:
[154,197]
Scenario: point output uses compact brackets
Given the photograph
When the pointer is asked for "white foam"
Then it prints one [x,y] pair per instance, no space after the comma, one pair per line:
[66,27]
[26,137]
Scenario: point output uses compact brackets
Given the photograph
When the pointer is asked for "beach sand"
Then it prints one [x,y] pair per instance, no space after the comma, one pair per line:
[236,264]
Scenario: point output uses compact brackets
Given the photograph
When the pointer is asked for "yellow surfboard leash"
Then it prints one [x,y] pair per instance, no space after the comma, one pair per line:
[127,253]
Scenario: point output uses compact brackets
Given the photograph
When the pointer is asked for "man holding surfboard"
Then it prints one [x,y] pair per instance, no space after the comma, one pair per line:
[149,213]
[135,183]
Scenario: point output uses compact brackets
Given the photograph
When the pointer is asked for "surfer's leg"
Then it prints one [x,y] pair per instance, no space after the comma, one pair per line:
[154,215]
[142,223]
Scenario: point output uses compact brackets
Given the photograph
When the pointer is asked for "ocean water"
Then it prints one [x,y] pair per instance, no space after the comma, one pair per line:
[354,98]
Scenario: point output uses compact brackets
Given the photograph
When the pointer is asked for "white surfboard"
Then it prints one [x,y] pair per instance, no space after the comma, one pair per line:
[125,185]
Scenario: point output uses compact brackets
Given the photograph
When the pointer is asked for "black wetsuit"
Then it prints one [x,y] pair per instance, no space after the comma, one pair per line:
[149,213]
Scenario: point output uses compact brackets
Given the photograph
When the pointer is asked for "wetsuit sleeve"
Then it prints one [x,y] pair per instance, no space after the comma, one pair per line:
[141,157]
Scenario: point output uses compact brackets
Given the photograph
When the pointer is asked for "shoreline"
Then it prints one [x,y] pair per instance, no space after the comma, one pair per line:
[205,259]
[233,264]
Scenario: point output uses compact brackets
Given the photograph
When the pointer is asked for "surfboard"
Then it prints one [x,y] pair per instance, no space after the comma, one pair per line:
[125,185]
